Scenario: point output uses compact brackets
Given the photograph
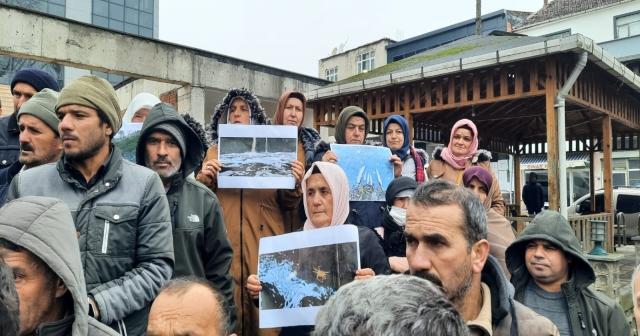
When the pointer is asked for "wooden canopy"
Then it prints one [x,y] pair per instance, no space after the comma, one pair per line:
[513,106]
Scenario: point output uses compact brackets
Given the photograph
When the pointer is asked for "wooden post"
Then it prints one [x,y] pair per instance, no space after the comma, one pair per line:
[592,175]
[552,135]
[517,183]
[607,176]
[316,116]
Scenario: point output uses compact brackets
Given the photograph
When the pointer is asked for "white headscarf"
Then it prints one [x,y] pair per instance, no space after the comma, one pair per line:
[140,101]
[339,185]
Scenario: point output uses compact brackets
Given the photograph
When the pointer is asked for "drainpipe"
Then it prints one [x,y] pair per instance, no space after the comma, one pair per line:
[562,137]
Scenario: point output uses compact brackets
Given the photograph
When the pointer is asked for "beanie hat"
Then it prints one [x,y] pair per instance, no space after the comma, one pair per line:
[42,106]
[176,133]
[341,124]
[95,92]
[37,78]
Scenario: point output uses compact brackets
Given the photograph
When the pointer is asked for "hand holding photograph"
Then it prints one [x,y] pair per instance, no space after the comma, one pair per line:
[300,271]
[257,156]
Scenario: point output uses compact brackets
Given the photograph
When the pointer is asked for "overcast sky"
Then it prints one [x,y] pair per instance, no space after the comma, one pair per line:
[294,34]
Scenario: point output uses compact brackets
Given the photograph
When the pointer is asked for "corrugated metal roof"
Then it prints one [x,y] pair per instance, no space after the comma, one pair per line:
[559,8]
[538,159]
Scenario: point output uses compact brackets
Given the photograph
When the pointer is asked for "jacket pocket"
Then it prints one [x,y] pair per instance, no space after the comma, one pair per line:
[114,230]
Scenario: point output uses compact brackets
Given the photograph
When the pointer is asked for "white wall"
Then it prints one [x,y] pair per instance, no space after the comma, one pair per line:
[346,61]
[597,25]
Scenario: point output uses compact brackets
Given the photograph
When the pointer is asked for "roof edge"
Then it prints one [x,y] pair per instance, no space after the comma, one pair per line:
[360,46]
[575,43]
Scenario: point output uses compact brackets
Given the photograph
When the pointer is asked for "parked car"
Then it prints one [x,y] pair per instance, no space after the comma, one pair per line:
[626,203]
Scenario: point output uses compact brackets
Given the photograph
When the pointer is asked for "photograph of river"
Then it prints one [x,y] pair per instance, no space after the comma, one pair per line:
[257,157]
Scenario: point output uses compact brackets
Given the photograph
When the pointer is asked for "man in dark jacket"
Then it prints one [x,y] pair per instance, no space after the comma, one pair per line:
[120,209]
[447,244]
[551,276]
[48,273]
[173,150]
[352,128]
[39,138]
[533,196]
[26,83]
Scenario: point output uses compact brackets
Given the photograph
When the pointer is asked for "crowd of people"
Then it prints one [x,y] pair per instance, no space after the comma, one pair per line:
[93,244]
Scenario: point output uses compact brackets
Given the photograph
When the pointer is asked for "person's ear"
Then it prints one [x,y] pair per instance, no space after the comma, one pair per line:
[479,255]
[61,288]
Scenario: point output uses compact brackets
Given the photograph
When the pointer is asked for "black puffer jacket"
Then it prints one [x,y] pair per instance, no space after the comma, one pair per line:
[394,243]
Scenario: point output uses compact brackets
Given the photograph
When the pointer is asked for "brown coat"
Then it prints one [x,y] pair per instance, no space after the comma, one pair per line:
[292,221]
[529,324]
[439,168]
[500,237]
[250,214]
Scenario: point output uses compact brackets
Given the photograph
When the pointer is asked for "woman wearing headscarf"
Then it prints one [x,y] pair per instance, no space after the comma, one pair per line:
[249,214]
[139,108]
[480,181]
[396,137]
[326,203]
[291,111]
[450,163]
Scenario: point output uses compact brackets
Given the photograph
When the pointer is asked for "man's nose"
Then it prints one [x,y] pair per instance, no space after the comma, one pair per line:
[421,259]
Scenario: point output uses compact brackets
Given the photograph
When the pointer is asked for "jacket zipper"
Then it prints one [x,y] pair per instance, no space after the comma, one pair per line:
[105,237]
[241,261]
[173,215]
[584,328]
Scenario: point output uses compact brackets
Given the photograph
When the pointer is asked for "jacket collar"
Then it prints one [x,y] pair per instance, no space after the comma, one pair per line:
[112,169]
[58,328]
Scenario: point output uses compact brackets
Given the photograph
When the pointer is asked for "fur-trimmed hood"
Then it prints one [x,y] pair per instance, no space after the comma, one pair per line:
[423,154]
[199,129]
[482,155]
[258,116]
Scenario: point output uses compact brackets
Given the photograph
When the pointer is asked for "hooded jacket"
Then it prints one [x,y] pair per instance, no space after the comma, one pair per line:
[200,241]
[41,225]
[394,243]
[124,233]
[438,168]
[249,215]
[590,312]
[9,142]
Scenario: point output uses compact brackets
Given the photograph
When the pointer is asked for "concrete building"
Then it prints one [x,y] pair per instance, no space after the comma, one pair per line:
[138,17]
[349,63]
[197,77]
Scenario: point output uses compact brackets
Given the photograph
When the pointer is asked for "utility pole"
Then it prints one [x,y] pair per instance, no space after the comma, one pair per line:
[478,17]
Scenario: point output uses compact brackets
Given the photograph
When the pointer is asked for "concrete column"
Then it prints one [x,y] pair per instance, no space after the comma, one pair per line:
[191,99]
[607,269]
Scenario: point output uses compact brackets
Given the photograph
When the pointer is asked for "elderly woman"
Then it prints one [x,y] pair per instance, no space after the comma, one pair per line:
[450,163]
[291,111]
[396,137]
[326,203]
[249,214]
[139,107]
[480,181]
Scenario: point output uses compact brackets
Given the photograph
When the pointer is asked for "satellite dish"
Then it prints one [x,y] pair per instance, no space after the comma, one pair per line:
[334,51]
[341,47]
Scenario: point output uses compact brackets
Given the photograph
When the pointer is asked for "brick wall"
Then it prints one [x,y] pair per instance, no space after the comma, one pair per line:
[170,97]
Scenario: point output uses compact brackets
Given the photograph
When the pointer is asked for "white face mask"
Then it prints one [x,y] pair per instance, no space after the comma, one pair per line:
[399,215]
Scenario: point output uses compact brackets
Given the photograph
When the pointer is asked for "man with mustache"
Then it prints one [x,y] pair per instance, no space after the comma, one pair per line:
[446,234]
[168,146]
[551,276]
[40,141]
[24,85]
[119,209]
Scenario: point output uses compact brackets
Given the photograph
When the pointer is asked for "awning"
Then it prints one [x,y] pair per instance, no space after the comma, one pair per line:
[540,161]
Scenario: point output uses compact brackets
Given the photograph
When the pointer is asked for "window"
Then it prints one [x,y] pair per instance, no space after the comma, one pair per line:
[628,204]
[634,172]
[585,206]
[627,25]
[332,74]
[55,7]
[366,61]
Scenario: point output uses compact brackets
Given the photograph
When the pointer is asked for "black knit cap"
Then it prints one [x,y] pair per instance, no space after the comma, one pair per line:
[37,78]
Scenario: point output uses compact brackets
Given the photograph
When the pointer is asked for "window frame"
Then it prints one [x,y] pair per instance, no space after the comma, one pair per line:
[615,26]
[370,60]
[334,74]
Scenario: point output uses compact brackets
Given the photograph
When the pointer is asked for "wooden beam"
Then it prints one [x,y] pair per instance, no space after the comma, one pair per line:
[504,80]
[552,135]
[316,113]
[517,183]
[607,175]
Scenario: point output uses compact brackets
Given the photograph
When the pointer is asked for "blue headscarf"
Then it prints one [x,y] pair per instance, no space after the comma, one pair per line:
[404,151]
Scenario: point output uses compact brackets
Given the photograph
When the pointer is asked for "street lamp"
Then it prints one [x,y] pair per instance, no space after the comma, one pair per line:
[598,236]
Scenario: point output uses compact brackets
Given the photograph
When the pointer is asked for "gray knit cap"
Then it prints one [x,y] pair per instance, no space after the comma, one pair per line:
[176,133]
[43,106]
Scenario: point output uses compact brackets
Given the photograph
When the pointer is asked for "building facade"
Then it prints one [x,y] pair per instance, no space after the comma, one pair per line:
[139,17]
[355,61]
